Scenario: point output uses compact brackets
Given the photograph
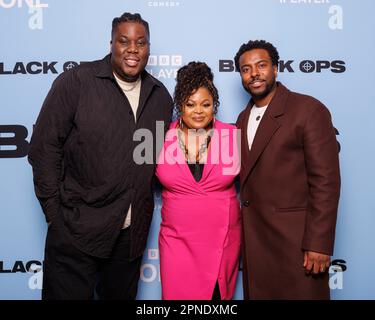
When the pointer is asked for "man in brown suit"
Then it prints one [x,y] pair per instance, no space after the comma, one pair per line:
[290,183]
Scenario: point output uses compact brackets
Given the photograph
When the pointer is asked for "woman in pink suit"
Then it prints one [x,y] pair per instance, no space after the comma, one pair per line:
[200,233]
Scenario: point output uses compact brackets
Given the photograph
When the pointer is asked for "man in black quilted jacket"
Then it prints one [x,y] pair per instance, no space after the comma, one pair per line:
[97,198]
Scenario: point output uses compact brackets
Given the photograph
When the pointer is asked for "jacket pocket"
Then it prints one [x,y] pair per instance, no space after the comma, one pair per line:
[291,209]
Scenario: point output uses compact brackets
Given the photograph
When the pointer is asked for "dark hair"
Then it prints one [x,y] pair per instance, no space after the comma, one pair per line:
[190,78]
[257,44]
[129,17]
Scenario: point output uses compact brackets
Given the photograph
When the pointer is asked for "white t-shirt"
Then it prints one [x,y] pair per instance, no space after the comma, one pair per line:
[255,117]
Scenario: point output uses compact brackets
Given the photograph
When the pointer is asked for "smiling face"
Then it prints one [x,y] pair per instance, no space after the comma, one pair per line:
[198,110]
[130,50]
[258,75]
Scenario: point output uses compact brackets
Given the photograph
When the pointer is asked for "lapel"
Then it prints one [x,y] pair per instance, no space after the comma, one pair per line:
[242,124]
[268,126]
[177,157]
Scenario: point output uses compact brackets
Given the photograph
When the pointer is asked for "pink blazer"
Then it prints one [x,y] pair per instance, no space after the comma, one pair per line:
[200,233]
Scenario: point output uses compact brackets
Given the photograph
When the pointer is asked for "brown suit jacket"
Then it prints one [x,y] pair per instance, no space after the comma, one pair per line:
[290,186]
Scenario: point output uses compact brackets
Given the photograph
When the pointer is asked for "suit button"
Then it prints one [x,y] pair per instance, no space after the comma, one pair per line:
[245,203]
[131,113]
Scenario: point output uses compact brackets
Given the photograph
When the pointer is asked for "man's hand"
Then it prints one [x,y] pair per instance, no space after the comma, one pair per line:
[315,262]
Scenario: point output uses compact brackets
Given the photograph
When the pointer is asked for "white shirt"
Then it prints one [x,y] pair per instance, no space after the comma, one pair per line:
[132,91]
[253,123]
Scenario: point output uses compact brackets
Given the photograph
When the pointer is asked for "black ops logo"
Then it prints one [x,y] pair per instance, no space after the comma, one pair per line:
[19,266]
[32,267]
[13,143]
[37,67]
[69,65]
[335,66]
[32,67]
[305,66]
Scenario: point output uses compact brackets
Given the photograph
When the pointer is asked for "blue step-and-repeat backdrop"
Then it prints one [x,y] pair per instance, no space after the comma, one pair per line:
[327,50]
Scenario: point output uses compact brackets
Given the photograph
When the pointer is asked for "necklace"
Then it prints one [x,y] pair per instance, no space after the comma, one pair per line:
[202,148]
[260,113]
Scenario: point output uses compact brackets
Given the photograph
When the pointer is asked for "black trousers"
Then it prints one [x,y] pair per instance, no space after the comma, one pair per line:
[69,273]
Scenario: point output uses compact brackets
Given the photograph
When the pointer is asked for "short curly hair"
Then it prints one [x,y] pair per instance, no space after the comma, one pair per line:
[190,78]
[257,44]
